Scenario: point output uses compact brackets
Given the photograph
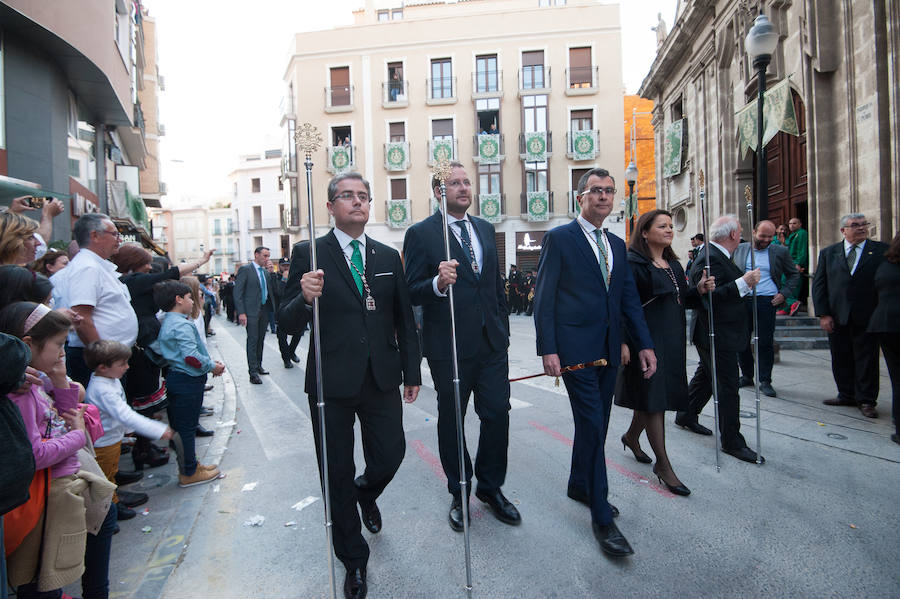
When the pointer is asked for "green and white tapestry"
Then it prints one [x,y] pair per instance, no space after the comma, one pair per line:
[339,159]
[538,205]
[489,149]
[435,205]
[398,213]
[536,146]
[584,144]
[489,207]
[396,156]
[631,207]
[441,149]
[672,152]
[778,115]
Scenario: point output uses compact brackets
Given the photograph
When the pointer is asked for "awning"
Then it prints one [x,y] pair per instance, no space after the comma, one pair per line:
[13,188]
[778,115]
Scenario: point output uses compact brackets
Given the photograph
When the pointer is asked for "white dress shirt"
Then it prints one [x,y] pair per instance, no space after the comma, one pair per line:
[588,229]
[344,241]
[454,224]
[859,251]
[743,287]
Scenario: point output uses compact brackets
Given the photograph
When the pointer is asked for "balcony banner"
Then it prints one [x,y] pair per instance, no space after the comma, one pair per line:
[339,159]
[441,149]
[489,206]
[672,154]
[538,206]
[398,213]
[489,149]
[395,156]
[435,205]
[536,146]
[584,145]
[778,115]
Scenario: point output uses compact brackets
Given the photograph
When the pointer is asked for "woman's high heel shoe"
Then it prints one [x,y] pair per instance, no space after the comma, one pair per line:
[676,489]
[639,454]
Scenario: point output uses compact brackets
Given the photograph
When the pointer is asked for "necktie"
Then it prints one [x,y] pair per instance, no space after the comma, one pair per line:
[356,260]
[464,235]
[263,290]
[604,260]
[851,258]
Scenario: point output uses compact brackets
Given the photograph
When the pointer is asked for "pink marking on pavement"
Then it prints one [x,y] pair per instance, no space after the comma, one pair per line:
[636,477]
[435,463]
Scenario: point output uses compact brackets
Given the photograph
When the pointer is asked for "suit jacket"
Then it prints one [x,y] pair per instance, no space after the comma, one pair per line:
[248,293]
[780,264]
[886,318]
[480,304]
[352,337]
[729,313]
[575,316]
[847,299]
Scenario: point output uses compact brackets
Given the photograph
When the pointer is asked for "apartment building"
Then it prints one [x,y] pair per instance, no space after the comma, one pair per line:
[258,201]
[527,94]
[223,238]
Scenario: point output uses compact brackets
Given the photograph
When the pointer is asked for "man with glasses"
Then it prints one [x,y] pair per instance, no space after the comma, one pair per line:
[253,302]
[843,292]
[370,348]
[585,292]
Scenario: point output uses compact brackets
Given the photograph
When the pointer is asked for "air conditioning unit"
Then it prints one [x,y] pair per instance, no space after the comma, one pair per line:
[162,83]
[162,129]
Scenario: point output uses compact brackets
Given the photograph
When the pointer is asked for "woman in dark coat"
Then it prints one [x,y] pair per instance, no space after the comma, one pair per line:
[664,294]
[885,322]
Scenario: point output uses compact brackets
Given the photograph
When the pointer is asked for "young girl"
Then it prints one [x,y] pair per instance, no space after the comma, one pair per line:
[53,555]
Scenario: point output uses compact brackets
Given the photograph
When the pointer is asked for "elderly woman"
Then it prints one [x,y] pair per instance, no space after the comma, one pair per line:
[664,295]
[17,240]
[50,263]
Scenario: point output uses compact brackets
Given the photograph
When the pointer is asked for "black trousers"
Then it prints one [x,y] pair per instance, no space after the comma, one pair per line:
[256,336]
[380,416]
[700,390]
[890,347]
[76,368]
[765,313]
[287,348]
[487,375]
[854,363]
[229,309]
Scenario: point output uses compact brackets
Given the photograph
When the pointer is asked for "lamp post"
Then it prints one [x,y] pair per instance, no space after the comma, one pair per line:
[760,43]
[631,175]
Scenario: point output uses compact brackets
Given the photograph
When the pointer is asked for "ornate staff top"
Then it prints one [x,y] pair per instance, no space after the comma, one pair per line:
[700,179]
[441,170]
[308,138]
[748,195]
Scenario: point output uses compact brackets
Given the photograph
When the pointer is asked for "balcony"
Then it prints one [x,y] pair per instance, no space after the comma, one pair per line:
[395,94]
[534,79]
[582,145]
[442,149]
[489,148]
[487,84]
[582,81]
[536,146]
[396,156]
[398,213]
[265,224]
[574,209]
[339,99]
[286,109]
[537,206]
[139,118]
[441,91]
[341,158]
[492,206]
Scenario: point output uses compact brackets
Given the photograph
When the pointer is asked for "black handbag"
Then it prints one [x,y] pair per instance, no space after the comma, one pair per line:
[17,465]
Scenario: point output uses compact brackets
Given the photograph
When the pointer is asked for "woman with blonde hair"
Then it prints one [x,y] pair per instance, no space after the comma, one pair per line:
[17,240]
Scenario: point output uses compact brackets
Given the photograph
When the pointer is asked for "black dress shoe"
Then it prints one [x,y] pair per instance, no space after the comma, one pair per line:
[895,438]
[263,371]
[124,512]
[204,411]
[868,410]
[746,454]
[202,431]
[745,381]
[355,584]
[371,516]
[612,542]
[295,359]
[288,364]
[502,507]
[692,425]
[455,516]
[125,477]
[131,499]
[582,497]
[767,390]
[839,401]
[254,378]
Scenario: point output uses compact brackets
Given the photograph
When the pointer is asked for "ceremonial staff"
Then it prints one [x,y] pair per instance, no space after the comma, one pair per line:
[308,141]
[709,312]
[755,339]
[600,362]
[441,173]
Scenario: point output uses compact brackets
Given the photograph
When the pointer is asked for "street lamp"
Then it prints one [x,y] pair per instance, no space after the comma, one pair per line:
[760,43]
[631,175]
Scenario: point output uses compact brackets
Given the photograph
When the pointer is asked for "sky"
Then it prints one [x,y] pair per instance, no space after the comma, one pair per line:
[224,63]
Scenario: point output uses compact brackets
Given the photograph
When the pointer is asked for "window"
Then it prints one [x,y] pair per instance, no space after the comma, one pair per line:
[536,176]
[341,136]
[581,120]
[235,188]
[398,189]
[280,183]
[74,168]
[340,86]
[488,178]
[487,113]
[533,69]
[257,241]
[257,219]
[677,110]
[218,265]
[397,131]
[231,245]
[281,216]
[441,78]
[395,81]
[580,71]
[534,113]
[217,244]
[396,14]
[217,226]
[486,73]
[442,129]
[384,15]
[229,226]
[254,185]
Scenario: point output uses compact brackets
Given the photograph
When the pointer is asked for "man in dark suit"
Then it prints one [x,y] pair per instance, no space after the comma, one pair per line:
[774,262]
[482,332]
[844,297]
[732,335]
[584,293]
[252,302]
[226,293]
[287,349]
[370,348]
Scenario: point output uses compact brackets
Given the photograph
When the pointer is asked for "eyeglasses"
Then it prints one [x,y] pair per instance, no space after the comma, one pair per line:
[349,195]
[861,225]
[610,191]
[113,233]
